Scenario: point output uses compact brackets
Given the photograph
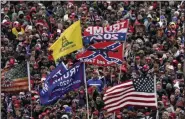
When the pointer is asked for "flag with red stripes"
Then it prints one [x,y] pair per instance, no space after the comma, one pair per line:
[15,79]
[136,92]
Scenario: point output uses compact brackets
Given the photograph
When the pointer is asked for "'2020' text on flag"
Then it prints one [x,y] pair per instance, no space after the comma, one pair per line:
[56,87]
[113,32]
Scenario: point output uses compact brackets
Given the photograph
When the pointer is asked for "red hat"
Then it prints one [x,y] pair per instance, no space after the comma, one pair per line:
[51,35]
[148,58]
[70,63]
[137,57]
[47,111]
[160,59]
[83,5]
[33,9]
[123,68]
[90,90]
[119,116]
[7,23]
[82,92]
[50,58]
[97,19]
[85,8]
[118,112]
[95,72]
[157,49]
[147,113]
[172,115]
[33,98]
[96,112]
[16,105]
[175,61]
[43,113]
[180,104]
[145,67]
[36,66]
[40,116]
[12,61]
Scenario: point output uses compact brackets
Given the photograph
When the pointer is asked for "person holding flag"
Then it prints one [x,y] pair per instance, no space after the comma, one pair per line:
[95,81]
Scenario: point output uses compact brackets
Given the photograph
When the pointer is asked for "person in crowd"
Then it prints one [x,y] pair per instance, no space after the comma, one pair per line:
[154,46]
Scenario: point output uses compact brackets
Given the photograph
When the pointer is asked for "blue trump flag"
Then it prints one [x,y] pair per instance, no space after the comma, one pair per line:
[58,71]
[56,87]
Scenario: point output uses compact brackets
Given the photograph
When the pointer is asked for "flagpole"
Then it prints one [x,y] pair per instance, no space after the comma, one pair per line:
[160,10]
[87,102]
[155,95]
[114,115]
[28,71]
[124,45]
[29,81]
[119,74]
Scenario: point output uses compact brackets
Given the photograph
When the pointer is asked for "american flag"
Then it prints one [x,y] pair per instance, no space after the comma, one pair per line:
[136,92]
[15,79]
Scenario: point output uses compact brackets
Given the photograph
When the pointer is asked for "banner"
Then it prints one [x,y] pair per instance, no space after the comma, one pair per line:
[114,32]
[69,41]
[103,53]
[57,72]
[57,87]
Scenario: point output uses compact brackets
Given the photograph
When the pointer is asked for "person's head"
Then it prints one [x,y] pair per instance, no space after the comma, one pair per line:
[179,66]
[37,108]
[17,26]
[95,75]
[159,87]
[138,60]
[98,99]
[165,115]
[112,15]
[98,22]
[10,49]
[177,92]
[21,14]
[105,4]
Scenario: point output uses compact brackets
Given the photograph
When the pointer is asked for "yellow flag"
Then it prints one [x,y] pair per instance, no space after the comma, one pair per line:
[69,41]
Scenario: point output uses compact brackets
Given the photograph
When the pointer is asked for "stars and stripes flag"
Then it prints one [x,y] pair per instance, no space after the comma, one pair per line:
[15,79]
[103,53]
[136,92]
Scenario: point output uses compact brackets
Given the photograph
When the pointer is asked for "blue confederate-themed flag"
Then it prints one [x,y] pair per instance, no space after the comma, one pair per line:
[103,53]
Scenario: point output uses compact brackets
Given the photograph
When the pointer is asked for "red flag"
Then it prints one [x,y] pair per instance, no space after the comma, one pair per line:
[103,53]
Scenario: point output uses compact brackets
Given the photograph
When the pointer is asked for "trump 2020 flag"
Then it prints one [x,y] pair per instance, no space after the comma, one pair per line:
[103,53]
[58,86]
[57,72]
[69,41]
[113,32]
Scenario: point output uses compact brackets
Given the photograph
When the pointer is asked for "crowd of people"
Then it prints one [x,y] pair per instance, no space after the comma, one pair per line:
[29,28]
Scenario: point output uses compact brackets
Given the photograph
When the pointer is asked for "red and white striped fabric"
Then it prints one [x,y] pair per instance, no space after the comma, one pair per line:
[137,92]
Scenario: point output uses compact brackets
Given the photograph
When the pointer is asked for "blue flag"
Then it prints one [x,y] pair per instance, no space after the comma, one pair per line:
[56,87]
[58,71]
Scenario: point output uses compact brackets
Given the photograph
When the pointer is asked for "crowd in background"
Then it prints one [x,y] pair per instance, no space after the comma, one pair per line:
[29,28]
